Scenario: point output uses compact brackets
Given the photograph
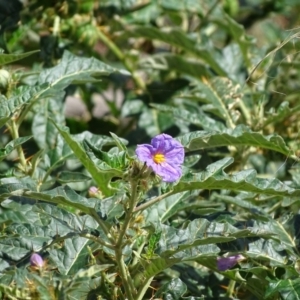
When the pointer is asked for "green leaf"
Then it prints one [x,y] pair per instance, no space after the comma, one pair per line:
[66,196]
[56,222]
[71,69]
[237,31]
[78,288]
[8,58]
[74,69]
[214,177]
[109,160]
[287,288]
[199,238]
[101,177]
[20,96]
[179,39]
[12,292]
[283,111]
[167,62]
[42,286]
[15,186]
[3,120]
[222,94]
[166,208]
[62,221]
[200,118]
[28,236]
[186,6]
[15,212]
[134,11]
[154,122]
[72,257]
[152,267]
[121,143]
[172,290]
[280,235]
[57,156]
[111,208]
[238,201]
[44,132]
[269,251]
[239,136]
[12,145]
[66,177]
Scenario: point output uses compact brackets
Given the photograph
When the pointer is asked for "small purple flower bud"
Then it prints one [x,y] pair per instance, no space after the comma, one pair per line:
[36,260]
[93,191]
[225,263]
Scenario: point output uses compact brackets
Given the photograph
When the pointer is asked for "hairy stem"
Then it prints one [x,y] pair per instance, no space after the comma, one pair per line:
[126,279]
[96,240]
[101,223]
[129,213]
[124,273]
[120,55]
[153,201]
[14,130]
[143,289]
[230,290]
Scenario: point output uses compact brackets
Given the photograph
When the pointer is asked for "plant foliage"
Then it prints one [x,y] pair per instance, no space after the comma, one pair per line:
[82,83]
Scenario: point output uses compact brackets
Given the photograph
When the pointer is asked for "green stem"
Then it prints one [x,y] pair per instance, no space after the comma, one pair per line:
[14,129]
[142,291]
[207,15]
[27,108]
[96,240]
[230,289]
[56,26]
[245,111]
[153,201]
[101,223]
[129,290]
[120,55]
[137,256]
[127,281]
[129,213]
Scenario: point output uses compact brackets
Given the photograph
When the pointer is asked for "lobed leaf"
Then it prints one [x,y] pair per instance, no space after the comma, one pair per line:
[178,63]
[72,257]
[169,206]
[222,94]
[178,38]
[239,136]
[288,289]
[196,118]
[52,81]
[20,96]
[74,69]
[9,58]
[64,195]
[67,177]
[12,145]
[214,177]
[44,132]
[100,176]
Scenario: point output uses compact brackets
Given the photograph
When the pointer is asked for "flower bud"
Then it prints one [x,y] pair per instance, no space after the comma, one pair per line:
[225,263]
[4,80]
[36,261]
[94,192]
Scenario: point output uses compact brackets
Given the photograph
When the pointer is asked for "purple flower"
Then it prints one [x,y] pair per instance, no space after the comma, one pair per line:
[225,263]
[36,260]
[164,156]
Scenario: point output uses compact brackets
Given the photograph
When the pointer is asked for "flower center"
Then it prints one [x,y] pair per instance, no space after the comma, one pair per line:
[159,158]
